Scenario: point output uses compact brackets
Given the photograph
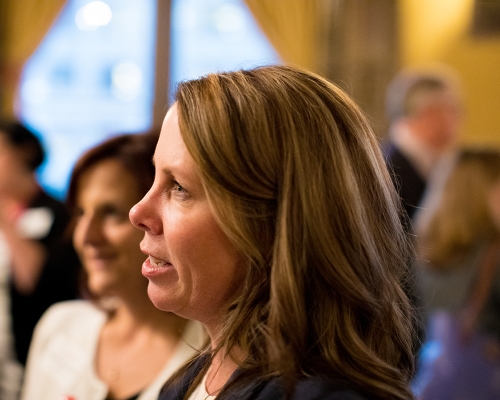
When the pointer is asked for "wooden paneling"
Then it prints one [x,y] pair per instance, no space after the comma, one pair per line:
[162,62]
[361,52]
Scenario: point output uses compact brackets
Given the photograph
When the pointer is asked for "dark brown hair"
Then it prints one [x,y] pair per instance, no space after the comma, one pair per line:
[24,139]
[133,151]
[462,218]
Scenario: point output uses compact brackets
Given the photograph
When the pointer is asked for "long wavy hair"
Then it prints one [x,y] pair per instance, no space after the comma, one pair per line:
[295,178]
[463,217]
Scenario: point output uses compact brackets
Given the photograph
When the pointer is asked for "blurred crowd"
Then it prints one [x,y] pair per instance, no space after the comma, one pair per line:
[451,200]
[55,297]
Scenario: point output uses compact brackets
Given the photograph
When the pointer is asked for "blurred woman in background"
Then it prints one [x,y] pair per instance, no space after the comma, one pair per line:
[459,281]
[117,346]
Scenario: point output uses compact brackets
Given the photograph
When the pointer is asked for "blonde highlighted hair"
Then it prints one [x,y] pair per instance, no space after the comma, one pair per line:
[296,180]
[462,217]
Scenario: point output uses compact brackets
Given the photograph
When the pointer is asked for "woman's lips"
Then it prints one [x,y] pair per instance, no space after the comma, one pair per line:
[157,263]
[154,266]
[98,261]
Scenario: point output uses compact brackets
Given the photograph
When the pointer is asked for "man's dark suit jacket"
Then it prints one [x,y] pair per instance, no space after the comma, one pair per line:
[410,187]
[409,184]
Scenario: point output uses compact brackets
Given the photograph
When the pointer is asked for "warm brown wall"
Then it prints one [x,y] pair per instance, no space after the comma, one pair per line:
[439,31]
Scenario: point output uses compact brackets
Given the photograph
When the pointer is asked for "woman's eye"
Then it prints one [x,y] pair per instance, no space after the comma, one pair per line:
[178,188]
[179,191]
[111,211]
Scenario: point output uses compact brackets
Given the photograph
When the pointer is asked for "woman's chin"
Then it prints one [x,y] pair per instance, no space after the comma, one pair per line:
[165,299]
[99,288]
[158,297]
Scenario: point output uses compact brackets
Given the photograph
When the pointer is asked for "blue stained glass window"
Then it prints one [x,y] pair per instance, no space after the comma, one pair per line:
[91,77]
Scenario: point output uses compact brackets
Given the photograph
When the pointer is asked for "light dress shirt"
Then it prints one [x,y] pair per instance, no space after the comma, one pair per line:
[200,392]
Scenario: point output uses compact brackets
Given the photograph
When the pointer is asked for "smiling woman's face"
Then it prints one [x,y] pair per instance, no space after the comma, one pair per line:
[106,241]
[193,268]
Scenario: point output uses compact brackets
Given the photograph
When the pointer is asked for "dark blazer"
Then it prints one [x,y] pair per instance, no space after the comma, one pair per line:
[311,388]
[410,187]
[58,279]
[409,184]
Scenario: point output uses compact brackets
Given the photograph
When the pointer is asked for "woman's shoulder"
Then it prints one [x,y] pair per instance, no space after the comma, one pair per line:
[73,309]
[327,389]
[62,351]
[308,388]
[73,315]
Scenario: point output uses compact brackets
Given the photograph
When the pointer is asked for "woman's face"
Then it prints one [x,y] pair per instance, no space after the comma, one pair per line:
[106,241]
[193,268]
[16,179]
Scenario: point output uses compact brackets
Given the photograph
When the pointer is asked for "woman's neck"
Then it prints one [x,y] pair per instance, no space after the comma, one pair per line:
[134,345]
[223,364]
[219,372]
[132,315]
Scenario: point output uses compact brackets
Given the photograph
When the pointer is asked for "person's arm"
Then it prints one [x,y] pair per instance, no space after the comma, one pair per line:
[480,291]
[27,255]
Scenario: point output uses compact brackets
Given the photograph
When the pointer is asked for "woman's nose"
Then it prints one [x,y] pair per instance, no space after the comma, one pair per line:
[142,215]
[89,231]
[135,217]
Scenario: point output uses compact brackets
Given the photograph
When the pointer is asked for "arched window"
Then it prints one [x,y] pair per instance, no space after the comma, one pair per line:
[93,75]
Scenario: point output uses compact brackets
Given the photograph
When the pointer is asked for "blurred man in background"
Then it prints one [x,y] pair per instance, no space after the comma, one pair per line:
[425,112]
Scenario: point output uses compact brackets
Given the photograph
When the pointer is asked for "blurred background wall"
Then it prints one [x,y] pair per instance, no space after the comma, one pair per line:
[464,34]
[152,44]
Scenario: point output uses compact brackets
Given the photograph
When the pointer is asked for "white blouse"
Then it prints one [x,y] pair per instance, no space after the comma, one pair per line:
[61,360]
[200,392]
